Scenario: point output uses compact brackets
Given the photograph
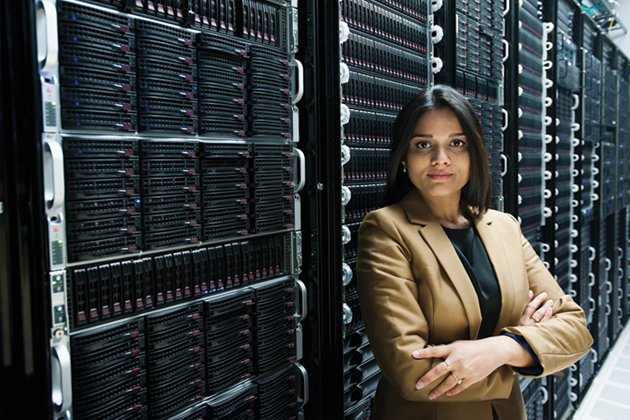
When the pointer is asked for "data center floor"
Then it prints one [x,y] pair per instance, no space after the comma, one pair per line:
[609,395]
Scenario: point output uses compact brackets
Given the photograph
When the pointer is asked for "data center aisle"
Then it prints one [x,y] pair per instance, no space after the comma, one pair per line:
[609,396]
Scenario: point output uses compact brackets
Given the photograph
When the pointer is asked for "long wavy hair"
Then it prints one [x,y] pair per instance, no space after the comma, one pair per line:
[476,194]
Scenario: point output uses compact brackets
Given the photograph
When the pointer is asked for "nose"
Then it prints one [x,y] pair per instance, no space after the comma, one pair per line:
[440,156]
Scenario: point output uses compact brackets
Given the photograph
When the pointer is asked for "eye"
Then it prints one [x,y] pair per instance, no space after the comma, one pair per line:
[458,143]
[423,144]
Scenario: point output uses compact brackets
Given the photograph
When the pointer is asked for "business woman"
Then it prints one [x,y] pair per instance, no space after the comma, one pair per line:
[446,284]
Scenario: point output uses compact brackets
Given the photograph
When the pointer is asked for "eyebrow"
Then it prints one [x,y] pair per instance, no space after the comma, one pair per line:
[431,136]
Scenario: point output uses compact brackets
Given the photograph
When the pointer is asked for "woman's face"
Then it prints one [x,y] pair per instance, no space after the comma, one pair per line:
[438,160]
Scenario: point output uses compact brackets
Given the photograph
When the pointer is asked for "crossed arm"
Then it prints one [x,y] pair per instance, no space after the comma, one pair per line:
[472,360]
[399,330]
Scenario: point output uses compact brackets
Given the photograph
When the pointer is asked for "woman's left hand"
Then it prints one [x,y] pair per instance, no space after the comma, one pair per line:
[466,362]
[536,310]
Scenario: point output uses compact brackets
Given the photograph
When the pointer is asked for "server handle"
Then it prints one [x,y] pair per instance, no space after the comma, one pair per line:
[548,27]
[302,181]
[305,390]
[593,303]
[436,64]
[576,102]
[303,301]
[507,51]
[61,378]
[54,188]
[300,88]
[47,46]
[436,5]
[545,393]
[505,165]
[507,8]
[506,119]
[437,34]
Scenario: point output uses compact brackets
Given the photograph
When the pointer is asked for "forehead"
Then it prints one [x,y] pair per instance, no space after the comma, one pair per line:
[438,122]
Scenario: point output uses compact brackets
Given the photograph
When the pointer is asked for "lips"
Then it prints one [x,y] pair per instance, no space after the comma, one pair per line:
[440,175]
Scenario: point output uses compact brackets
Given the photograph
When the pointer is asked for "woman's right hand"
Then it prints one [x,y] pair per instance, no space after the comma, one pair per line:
[536,310]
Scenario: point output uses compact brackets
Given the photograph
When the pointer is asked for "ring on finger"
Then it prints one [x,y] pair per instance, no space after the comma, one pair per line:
[459,381]
[448,366]
[535,319]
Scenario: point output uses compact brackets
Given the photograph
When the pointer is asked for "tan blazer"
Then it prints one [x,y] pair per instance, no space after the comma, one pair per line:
[415,292]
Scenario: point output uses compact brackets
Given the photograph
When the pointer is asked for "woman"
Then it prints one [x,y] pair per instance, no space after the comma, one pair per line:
[445,283]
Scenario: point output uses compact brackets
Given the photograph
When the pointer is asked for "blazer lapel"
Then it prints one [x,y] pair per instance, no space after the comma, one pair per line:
[433,234]
[500,262]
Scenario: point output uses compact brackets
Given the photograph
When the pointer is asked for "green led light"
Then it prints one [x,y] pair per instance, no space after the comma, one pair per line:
[59,242]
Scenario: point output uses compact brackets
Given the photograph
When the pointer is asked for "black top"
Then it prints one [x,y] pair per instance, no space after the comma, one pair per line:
[475,259]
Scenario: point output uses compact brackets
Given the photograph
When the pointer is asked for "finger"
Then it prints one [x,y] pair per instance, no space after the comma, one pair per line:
[535,305]
[547,315]
[538,300]
[440,370]
[447,385]
[543,313]
[431,352]
[530,296]
[558,373]
[459,388]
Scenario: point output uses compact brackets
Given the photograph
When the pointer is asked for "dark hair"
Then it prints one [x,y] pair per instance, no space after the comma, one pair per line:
[476,194]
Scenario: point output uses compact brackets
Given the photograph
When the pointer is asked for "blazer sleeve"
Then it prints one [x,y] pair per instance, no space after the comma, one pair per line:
[394,321]
[562,340]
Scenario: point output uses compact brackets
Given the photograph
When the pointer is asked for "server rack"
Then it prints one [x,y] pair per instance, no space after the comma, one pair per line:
[605,211]
[590,199]
[385,52]
[527,103]
[559,228]
[166,165]
[586,116]
[527,107]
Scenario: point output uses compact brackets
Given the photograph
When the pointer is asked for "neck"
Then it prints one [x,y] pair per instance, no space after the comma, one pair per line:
[448,212]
